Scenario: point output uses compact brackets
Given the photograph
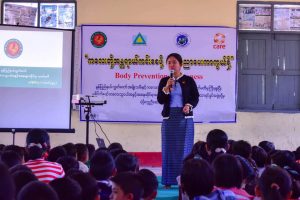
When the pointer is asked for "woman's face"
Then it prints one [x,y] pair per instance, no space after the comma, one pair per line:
[173,64]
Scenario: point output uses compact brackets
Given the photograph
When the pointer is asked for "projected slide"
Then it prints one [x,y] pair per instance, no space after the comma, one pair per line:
[31,59]
[35,78]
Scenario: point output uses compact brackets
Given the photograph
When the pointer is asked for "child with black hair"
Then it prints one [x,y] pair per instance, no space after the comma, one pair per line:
[11,158]
[198,150]
[7,187]
[38,144]
[19,150]
[274,184]
[17,168]
[21,178]
[82,156]
[216,144]
[267,146]
[37,190]
[66,188]
[68,163]
[260,156]
[126,186]
[126,162]
[116,152]
[229,175]
[56,153]
[114,145]
[150,183]
[102,168]
[196,179]
[89,187]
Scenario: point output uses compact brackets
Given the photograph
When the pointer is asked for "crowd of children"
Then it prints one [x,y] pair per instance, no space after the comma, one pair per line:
[216,169]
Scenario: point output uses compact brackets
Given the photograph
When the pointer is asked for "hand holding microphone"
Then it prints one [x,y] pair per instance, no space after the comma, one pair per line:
[171,81]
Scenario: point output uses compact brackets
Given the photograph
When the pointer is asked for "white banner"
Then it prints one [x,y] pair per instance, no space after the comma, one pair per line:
[124,64]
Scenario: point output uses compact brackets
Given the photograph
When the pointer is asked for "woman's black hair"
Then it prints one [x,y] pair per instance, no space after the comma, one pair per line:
[176,56]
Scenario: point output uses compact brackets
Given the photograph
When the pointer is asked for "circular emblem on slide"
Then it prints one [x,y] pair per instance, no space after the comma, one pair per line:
[98,39]
[13,48]
[182,39]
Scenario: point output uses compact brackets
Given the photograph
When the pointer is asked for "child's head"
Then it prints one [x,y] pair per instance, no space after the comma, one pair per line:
[102,165]
[19,150]
[21,178]
[82,152]
[70,149]
[37,143]
[267,146]
[216,139]
[260,156]
[56,153]
[197,178]
[283,158]
[126,162]
[114,145]
[89,187]
[66,188]
[242,148]
[274,184]
[150,183]
[216,143]
[68,163]
[126,186]
[11,158]
[37,190]
[7,187]
[228,171]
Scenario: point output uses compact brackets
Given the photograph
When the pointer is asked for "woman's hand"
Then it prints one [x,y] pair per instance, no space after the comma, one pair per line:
[186,109]
[169,85]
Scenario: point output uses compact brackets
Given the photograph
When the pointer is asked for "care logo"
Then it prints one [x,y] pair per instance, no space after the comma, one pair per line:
[139,39]
[219,41]
[98,39]
[182,40]
[13,48]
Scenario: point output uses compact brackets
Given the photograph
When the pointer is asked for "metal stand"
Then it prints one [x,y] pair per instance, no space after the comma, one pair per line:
[13,132]
[87,110]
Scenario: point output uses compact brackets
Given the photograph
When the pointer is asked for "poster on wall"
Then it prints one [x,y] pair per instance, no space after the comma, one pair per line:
[286,17]
[57,15]
[124,64]
[255,17]
[22,14]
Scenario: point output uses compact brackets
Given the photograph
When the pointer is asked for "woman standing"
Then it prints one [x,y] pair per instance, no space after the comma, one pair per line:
[179,95]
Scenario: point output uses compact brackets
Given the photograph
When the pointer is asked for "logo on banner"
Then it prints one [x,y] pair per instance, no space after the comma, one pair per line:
[98,39]
[13,48]
[139,39]
[183,39]
[219,41]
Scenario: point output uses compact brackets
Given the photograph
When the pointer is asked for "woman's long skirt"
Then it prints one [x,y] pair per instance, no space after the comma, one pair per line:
[177,142]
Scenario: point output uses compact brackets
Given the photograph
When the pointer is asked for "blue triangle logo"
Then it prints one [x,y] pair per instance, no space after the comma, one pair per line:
[139,39]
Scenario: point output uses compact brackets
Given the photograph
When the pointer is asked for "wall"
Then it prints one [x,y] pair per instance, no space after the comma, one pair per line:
[280,128]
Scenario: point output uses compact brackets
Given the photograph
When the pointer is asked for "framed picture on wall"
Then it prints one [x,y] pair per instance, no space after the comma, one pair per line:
[57,15]
[286,17]
[54,14]
[20,13]
[255,17]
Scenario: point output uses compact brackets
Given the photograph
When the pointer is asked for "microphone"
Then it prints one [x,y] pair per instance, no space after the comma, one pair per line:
[172,76]
[172,73]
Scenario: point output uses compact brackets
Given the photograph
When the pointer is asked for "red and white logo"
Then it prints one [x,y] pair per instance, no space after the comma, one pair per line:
[219,41]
